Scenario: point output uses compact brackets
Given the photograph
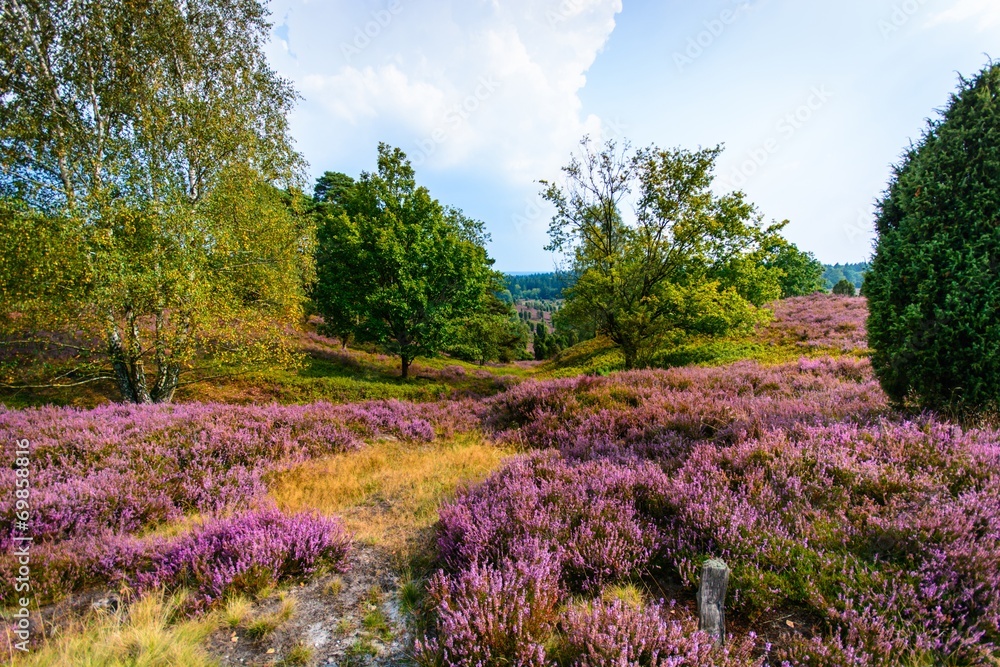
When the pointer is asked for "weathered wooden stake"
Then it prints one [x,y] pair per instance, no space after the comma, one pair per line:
[712,599]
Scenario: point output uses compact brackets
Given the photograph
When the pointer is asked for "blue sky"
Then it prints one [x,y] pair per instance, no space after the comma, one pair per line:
[814,101]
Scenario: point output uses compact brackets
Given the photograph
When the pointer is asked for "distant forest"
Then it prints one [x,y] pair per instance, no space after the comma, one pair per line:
[853,272]
[538,286]
[549,286]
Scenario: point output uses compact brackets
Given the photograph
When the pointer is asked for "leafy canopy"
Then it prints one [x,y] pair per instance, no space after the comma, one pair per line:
[397,268]
[151,137]
[934,284]
[802,273]
[687,262]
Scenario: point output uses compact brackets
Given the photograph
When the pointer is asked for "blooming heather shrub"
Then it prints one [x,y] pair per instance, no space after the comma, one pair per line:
[591,516]
[820,322]
[241,554]
[890,532]
[494,614]
[616,633]
[657,414]
[123,468]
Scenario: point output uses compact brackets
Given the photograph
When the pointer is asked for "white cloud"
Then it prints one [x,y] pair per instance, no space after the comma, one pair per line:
[481,84]
[985,13]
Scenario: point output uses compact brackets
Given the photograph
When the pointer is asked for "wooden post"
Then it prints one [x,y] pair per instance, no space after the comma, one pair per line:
[712,599]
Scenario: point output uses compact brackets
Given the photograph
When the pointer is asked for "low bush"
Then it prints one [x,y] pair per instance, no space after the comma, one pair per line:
[243,554]
[616,633]
[888,532]
[128,468]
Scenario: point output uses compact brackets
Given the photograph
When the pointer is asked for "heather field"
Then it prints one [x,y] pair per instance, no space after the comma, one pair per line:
[557,514]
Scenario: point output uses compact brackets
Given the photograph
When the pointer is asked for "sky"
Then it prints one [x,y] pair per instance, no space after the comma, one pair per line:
[813,101]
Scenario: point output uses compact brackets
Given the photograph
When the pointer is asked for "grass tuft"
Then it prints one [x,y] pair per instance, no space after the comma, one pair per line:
[237,611]
[299,655]
[262,627]
[144,635]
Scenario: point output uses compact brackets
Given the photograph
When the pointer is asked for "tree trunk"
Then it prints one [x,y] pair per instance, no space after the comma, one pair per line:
[137,370]
[406,367]
[166,394]
[129,369]
[119,362]
[170,367]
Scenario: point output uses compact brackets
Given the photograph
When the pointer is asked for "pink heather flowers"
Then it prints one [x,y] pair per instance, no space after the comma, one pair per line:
[113,471]
[882,529]
[241,554]
[124,468]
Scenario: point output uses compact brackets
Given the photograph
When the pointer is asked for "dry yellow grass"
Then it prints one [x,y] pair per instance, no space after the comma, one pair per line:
[387,494]
[390,491]
[144,636]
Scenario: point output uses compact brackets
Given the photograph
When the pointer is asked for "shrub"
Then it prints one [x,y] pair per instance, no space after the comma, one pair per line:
[845,288]
[243,554]
[890,533]
[588,513]
[240,555]
[494,614]
[934,284]
[616,633]
[125,468]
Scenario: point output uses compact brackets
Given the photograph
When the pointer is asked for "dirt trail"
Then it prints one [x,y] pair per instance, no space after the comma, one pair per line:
[331,623]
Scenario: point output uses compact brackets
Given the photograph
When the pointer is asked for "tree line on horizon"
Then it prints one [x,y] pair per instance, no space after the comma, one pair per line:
[549,285]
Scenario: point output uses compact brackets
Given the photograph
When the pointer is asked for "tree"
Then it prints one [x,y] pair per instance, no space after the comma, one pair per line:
[332,188]
[688,262]
[845,288]
[330,196]
[540,342]
[802,273]
[933,288]
[153,134]
[398,269]
[855,273]
[493,333]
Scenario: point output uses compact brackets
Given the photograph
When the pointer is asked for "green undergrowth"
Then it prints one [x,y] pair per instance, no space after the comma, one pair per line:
[326,373]
[600,357]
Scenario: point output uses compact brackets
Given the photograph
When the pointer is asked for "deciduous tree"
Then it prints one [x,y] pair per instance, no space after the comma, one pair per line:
[397,268]
[153,135]
[686,261]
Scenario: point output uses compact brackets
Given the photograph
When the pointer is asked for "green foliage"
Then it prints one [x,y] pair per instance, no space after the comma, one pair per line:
[537,286]
[855,273]
[720,352]
[934,284]
[332,188]
[551,344]
[492,333]
[398,269]
[691,262]
[845,288]
[144,143]
[802,272]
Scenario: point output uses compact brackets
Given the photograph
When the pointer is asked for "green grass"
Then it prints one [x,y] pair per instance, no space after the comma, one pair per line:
[600,357]
[263,626]
[327,373]
[299,655]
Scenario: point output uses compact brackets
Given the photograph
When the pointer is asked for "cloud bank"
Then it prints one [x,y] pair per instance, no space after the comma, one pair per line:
[489,85]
